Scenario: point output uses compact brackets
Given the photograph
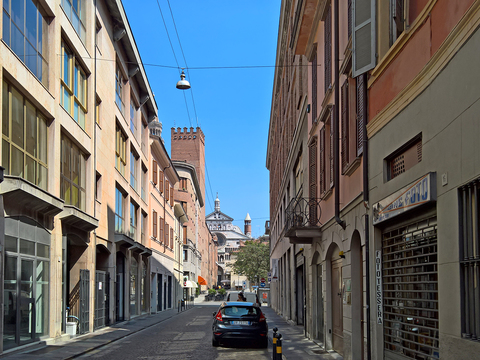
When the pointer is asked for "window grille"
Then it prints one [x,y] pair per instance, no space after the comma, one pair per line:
[406,158]
[469,250]
[410,290]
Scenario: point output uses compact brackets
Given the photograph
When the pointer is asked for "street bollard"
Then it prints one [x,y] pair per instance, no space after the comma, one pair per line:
[279,347]
[178,306]
[274,341]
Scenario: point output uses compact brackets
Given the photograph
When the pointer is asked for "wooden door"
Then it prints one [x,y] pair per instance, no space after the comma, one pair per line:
[337,306]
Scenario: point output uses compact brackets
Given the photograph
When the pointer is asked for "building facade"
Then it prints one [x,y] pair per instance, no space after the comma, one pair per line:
[188,146]
[78,193]
[230,238]
[392,164]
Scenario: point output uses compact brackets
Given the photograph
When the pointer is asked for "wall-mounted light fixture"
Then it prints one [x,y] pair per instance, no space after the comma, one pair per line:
[341,254]
[308,109]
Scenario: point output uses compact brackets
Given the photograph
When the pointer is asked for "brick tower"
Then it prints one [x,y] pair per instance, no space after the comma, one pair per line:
[189,146]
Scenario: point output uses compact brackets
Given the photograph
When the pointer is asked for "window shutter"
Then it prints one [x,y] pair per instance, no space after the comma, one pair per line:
[349,18]
[171,195]
[345,121]
[154,172]
[171,238]
[330,157]
[167,190]
[328,49]
[312,180]
[314,87]
[160,237]
[363,39]
[322,161]
[361,107]
[161,181]
[166,234]
[154,224]
[185,235]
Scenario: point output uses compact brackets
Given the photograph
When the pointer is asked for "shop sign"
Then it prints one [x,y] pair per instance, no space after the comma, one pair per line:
[378,286]
[411,196]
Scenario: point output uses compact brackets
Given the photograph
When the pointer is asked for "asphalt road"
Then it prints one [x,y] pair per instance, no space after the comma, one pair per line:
[185,336]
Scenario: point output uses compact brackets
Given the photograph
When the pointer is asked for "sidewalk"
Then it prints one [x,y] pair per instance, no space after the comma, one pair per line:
[295,346]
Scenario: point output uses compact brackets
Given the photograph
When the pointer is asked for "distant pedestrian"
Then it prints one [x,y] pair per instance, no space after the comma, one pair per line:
[241,297]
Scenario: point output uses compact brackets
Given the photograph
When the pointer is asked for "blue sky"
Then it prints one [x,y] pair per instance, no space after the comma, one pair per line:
[232,104]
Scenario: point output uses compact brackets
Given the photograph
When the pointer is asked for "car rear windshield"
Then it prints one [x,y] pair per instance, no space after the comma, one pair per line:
[240,310]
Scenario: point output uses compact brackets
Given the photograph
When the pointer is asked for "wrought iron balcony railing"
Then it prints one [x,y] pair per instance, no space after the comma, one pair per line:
[303,213]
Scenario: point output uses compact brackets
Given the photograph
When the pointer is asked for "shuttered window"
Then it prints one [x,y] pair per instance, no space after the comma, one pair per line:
[312,177]
[161,179]
[363,37]
[171,238]
[154,230]
[328,49]
[345,127]
[167,190]
[162,223]
[155,166]
[166,234]
[323,187]
[361,109]
[397,10]
[331,153]
[314,87]
[184,235]
[349,18]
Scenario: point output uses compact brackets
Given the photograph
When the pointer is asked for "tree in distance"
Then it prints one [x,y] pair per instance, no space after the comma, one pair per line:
[252,260]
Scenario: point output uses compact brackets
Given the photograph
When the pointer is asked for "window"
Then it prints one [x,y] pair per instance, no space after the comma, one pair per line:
[331,153]
[314,87]
[167,192]
[345,126]
[171,238]
[25,31]
[98,186]
[98,101]
[161,235]
[133,169]
[155,166]
[73,95]
[161,176]
[469,258]
[298,176]
[185,255]
[185,235]
[119,89]
[361,111]
[120,151]
[73,169]
[312,164]
[407,156]
[154,229]
[76,12]
[119,210]
[145,133]
[133,117]
[24,138]
[328,49]
[144,183]
[133,220]
[171,196]
[142,227]
[183,184]
[166,235]
[323,186]
[397,19]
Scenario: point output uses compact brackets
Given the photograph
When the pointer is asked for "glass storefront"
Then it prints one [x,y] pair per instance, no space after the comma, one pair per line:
[26,284]
[133,286]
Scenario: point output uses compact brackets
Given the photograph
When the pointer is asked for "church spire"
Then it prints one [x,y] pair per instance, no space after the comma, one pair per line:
[217,204]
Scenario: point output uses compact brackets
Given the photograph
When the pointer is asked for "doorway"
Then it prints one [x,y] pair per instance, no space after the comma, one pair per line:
[337,306]
[120,287]
[300,295]
[159,292]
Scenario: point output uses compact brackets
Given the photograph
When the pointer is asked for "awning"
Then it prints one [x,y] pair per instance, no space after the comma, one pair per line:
[190,284]
[201,280]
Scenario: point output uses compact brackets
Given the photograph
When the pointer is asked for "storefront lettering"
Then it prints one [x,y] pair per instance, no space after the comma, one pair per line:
[378,286]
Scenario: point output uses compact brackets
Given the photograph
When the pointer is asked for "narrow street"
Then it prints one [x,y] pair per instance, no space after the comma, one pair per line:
[186,336]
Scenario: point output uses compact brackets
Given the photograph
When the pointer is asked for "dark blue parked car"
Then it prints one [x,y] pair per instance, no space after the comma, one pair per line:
[240,321]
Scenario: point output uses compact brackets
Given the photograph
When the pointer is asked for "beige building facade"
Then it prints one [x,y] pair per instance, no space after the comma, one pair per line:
[79,197]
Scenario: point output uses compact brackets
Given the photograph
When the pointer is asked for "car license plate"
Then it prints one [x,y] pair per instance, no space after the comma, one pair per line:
[240,322]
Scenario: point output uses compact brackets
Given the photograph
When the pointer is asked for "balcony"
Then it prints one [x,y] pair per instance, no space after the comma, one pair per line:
[302,220]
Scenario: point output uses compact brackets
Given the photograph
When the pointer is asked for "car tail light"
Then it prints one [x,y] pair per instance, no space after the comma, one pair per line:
[219,316]
[262,317]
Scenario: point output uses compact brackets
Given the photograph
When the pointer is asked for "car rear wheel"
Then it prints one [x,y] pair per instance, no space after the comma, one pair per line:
[214,342]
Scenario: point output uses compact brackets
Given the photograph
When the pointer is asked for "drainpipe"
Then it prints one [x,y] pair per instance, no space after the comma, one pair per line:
[366,197]
[336,121]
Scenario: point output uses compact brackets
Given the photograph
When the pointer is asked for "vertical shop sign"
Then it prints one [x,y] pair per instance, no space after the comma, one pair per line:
[378,286]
